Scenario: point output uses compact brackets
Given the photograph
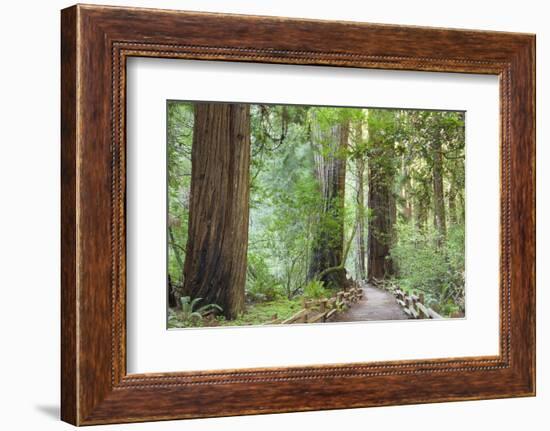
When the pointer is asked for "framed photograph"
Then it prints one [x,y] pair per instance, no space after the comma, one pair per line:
[264,215]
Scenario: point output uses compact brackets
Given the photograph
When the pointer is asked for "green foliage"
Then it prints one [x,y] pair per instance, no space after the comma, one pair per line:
[189,315]
[284,201]
[383,127]
[179,142]
[315,289]
[189,312]
[438,272]
[261,284]
[265,312]
[256,314]
[327,117]
[289,213]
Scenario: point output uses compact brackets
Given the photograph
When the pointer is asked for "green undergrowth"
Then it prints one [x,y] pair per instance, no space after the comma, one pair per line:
[256,314]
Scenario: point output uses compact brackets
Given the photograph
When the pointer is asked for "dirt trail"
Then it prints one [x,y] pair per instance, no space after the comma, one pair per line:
[376,304]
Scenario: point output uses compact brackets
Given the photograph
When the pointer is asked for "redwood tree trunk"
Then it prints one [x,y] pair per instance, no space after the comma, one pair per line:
[360,217]
[215,260]
[330,170]
[405,190]
[381,225]
[439,197]
[360,210]
[421,211]
[382,169]
[452,203]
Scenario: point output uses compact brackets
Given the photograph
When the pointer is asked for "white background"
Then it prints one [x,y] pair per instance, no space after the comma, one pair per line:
[29,225]
[151,348]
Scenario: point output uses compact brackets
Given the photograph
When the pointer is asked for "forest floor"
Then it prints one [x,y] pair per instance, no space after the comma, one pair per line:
[260,313]
[376,304]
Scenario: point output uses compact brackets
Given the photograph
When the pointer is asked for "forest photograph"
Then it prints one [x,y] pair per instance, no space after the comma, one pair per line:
[289,214]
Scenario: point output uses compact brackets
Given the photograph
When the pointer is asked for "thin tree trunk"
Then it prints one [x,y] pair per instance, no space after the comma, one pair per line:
[452,204]
[405,191]
[215,260]
[439,198]
[174,293]
[174,247]
[461,206]
[173,298]
[421,212]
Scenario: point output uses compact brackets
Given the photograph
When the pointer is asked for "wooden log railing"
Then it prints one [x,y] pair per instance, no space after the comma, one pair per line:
[413,305]
[321,310]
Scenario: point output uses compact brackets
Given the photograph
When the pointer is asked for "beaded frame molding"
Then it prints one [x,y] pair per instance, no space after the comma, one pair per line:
[95,43]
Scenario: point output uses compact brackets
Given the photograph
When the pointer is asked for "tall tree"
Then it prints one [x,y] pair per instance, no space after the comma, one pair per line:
[179,142]
[451,197]
[359,157]
[405,189]
[453,166]
[447,153]
[381,198]
[215,259]
[330,145]
[439,196]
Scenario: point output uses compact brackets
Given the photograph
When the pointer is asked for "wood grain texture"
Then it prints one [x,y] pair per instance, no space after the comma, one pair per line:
[96,41]
[69,397]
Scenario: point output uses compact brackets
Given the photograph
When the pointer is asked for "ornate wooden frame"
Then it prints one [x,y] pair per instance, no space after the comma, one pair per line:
[95,42]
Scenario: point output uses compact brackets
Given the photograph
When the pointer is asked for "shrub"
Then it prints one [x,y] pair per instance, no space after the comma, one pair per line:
[315,289]
[261,285]
[188,311]
[438,272]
